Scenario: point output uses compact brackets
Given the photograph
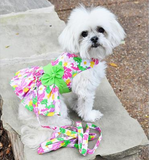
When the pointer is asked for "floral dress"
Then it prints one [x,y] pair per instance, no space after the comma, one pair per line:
[39,88]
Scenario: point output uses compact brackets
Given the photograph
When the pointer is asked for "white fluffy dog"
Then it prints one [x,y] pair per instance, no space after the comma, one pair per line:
[89,33]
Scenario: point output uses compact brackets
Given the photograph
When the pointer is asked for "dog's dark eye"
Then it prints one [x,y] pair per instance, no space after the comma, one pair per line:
[100,29]
[84,34]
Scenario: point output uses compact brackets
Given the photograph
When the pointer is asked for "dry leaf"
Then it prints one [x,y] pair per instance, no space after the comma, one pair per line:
[136,2]
[7,46]
[122,42]
[9,145]
[1,154]
[17,33]
[1,145]
[8,151]
[113,64]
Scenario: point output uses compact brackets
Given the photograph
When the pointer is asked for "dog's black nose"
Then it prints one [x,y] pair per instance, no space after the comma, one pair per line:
[94,39]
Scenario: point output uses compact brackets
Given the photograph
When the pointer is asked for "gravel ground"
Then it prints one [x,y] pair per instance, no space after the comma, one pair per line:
[129,78]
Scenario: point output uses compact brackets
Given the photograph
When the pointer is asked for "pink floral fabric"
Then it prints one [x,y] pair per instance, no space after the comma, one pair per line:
[42,99]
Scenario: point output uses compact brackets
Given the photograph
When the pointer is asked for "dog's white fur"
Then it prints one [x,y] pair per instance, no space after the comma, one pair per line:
[86,82]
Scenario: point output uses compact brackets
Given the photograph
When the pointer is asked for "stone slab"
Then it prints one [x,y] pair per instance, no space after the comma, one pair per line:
[31,32]
[9,6]
[122,135]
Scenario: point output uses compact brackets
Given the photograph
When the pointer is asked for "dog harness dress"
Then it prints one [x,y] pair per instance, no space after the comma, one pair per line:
[39,88]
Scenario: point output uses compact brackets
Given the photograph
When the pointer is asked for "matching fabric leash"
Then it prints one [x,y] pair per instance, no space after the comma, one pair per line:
[74,138]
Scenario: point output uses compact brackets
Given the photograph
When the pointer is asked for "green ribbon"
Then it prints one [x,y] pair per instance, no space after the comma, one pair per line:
[53,75]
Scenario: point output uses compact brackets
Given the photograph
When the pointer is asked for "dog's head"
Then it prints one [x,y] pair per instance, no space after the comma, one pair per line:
[93,33]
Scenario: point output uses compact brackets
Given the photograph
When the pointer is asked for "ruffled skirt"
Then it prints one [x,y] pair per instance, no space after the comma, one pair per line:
[34,95]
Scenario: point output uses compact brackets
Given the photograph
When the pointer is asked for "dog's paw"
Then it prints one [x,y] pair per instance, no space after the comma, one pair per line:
[93,116]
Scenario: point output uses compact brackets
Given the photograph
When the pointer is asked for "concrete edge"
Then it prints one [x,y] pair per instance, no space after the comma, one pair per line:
[31,59]
[35,11]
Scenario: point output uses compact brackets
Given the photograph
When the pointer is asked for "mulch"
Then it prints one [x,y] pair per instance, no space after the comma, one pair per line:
[5,144]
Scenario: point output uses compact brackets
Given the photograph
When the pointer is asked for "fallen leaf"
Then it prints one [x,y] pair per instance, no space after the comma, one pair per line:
[122,42]
[113,64]
[1,145]
[136,2]
[7,46]
[9,145]
[17,33]
[1,154]
[8,151]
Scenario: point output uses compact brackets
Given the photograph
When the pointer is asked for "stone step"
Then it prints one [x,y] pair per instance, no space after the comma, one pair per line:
[9,6]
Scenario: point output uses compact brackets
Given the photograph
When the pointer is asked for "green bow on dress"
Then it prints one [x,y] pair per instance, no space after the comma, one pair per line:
[53,75]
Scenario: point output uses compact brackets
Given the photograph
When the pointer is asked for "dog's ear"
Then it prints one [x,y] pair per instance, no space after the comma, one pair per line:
[68,40]
[117,33]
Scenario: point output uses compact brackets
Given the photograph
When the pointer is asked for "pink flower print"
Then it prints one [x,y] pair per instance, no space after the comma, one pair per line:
[40,150]
[54,90]
[69,55]
[72,55]
[95,60]
[54,62]
[44,110]
[20,87]
[28,72]
[90,151]
[35,110]
[38,83]
[18,91]
[85,137]
[40,97]
[75,67]
[35,68]
[56,146]
[67,73]
[39,73]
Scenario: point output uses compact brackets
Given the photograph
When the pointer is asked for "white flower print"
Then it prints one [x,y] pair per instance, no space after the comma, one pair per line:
[85,63]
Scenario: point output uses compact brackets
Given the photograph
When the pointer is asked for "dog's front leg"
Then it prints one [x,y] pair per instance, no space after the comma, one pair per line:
[84,88]
[85,108]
